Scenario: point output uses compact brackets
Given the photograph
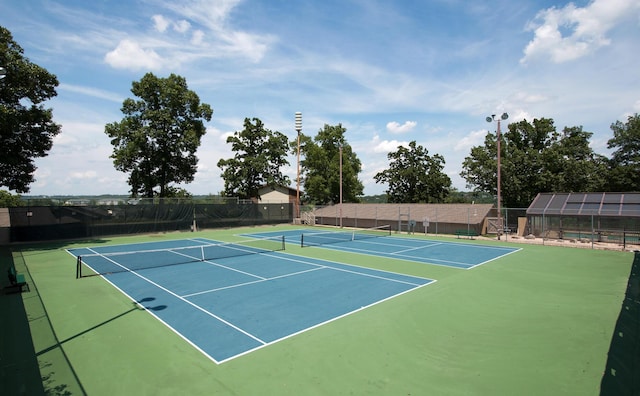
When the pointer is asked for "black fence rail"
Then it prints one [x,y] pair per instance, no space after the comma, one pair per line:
[40,223]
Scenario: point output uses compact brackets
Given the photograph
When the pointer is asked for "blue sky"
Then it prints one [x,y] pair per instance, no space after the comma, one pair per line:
[389,71]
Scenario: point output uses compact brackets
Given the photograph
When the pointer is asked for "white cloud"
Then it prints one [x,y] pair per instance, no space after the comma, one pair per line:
[586,29]
[181,26]
[245,44]
[213,16]
[474,138]
[197,37]
[93,92]
[130,55]
[83,175]
[386,146]
[395,127]
[528,98]
[160,23]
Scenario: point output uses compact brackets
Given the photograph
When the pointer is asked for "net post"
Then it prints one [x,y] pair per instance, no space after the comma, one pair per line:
[78,267]
[301,240]
[283,243]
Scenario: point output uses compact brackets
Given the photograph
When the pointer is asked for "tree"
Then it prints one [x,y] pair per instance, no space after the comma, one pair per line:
[8,200]
[260,155]
[535,158]
[572,165]
[321,167]
[157,139]
[523,172]
[26,126]
[414,176]
[625,160]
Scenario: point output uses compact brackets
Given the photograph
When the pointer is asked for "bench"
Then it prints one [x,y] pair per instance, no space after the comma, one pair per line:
[466,233]
[16,280]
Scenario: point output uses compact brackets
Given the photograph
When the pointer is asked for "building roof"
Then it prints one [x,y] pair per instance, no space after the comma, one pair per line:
[586,204]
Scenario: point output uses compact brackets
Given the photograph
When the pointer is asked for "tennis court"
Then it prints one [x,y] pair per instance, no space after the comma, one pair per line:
[541,321]
[228,299]
[380,242]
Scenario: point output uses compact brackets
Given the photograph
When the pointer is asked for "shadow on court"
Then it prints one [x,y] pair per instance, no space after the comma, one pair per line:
[622,372]
[23,370]
[19,373]
[135,308]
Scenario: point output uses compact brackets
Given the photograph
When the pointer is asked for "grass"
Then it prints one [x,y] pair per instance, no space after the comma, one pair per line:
[539,321]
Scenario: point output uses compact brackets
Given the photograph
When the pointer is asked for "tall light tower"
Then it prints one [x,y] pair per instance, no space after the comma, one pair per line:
[504,116]
[298,129]
[341,185]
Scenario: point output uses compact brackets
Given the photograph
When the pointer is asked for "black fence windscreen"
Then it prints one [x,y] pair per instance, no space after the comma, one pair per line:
[40,223]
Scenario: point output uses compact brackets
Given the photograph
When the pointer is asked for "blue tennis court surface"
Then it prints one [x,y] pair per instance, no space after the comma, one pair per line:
[231,306]
[450,254]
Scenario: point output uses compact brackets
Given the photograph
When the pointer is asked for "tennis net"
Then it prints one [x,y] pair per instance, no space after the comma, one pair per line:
[323,238]
[107,263]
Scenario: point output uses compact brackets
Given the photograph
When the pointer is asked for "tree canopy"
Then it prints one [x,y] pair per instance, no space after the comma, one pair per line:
[321,167]
[26,126]
[535,158]
[8,200]
[157,139]
[625,159]
[259,157]
[414,176]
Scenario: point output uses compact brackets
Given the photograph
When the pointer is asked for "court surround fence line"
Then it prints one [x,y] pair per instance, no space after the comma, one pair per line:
[41,223]
[621,228]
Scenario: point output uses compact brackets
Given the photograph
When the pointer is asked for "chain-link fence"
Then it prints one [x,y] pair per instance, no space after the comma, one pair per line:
[64,221]
[468,219]
[609,227]
[478,219]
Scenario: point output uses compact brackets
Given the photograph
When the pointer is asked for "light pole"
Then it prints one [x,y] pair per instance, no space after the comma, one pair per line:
[340,185]
[298,129]
[504,116]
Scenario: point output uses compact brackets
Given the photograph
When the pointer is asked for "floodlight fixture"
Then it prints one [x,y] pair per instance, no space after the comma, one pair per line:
[298,126]
[298,121]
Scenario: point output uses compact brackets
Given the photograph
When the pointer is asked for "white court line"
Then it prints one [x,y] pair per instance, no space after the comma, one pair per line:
[413,259]
[415,248]
[297,259]
[189,302]
[325,322]
[251,283]
[280,256]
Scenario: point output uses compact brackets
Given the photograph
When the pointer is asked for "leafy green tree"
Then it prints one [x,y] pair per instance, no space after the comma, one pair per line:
[8,200]
[536,158]
[259,156]
[625,159]
[157,139]
[321,167]
[572,165]
[522,172]
[414,176]
[26,126]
